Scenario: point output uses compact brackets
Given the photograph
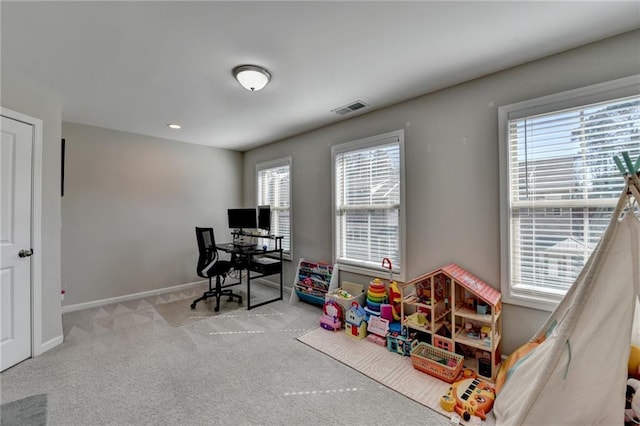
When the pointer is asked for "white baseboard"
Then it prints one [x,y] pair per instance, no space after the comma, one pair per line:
[120,299]
[48,345]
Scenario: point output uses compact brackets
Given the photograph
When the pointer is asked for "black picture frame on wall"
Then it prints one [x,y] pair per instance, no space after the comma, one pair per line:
[62,149]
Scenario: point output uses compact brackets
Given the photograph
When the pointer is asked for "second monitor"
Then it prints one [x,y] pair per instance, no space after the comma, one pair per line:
[264,218]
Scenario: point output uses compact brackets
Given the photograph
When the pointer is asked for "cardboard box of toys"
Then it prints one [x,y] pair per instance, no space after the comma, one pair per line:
[346,294]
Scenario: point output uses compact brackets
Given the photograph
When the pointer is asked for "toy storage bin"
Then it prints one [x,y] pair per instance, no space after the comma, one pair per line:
[427,358]
[355,290]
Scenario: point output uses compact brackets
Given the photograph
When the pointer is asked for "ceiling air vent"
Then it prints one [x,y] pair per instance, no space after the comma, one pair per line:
[353,106]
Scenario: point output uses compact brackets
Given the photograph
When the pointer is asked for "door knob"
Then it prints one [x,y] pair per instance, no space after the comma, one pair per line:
[25,253]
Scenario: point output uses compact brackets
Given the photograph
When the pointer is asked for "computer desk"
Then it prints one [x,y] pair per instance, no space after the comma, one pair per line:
[249,258]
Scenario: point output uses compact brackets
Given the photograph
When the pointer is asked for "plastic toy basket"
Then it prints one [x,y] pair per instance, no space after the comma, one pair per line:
[436,362]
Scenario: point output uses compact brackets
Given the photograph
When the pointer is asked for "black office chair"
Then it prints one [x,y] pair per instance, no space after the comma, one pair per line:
[210,266]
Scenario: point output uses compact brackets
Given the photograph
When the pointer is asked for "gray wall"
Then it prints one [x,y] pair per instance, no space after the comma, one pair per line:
[130,206]
[29,97]
[451,150]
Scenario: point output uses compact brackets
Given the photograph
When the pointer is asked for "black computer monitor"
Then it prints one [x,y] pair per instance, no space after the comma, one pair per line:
[264,218]
[242,219]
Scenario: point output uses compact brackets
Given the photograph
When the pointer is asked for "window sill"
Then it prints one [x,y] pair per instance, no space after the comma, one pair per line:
[540,302]
[370,272]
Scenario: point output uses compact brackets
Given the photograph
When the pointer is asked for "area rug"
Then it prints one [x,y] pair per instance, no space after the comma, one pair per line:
[179,313]
[30,411]
[387,368]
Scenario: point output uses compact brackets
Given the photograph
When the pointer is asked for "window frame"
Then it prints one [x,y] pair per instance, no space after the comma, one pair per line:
[584,96]
[399,271]
[274,164]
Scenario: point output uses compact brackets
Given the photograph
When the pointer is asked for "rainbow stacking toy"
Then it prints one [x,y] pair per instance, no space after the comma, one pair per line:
[376,296]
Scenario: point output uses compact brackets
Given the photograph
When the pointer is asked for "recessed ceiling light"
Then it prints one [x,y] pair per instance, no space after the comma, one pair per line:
[174,126]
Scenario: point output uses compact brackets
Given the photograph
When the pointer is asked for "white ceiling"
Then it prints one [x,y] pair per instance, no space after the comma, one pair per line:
[136,66]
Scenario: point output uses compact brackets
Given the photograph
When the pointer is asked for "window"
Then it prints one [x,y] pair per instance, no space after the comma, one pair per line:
[368,203]
[560,184]
[274,189]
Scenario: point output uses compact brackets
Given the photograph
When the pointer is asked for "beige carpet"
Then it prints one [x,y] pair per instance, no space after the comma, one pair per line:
[179,313]
[390,369]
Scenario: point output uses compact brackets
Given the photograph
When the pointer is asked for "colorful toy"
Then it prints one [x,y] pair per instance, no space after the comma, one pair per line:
[469,397]
[376,295]
[396,299]
[343,294]
[399,343]
[355,323]
[332,316]
[378,328]
[386,311]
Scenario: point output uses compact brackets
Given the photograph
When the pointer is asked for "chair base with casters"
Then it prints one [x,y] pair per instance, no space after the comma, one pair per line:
[218,291]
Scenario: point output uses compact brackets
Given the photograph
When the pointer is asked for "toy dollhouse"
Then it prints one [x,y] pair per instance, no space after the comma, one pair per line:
[455,311]
[355,321]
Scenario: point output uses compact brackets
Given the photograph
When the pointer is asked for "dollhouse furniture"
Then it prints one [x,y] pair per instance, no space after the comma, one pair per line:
[452,310]
[355,321]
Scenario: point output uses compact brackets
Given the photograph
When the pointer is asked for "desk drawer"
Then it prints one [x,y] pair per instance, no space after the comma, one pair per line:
[266,266]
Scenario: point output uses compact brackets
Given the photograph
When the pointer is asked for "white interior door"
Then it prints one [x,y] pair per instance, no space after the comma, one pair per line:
[15,242]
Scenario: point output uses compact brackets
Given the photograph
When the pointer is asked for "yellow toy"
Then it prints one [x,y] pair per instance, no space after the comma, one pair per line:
[419,319]
[395,298]
[469,396]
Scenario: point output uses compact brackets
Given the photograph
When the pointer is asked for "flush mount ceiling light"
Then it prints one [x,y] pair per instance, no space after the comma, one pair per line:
[252,77]
[174,126]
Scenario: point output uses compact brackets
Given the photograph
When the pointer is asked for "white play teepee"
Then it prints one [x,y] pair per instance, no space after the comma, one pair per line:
[574,370]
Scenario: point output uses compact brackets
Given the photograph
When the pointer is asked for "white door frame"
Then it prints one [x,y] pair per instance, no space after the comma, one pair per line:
[36,228]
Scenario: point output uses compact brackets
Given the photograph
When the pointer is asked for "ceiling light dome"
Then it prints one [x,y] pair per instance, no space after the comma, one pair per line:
[252,77]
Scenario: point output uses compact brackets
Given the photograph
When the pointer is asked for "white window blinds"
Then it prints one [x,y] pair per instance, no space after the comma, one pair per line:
[367,190]
[274,189]
[562,188]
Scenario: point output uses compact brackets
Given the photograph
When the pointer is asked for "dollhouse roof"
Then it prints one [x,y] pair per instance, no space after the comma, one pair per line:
[355,314]
[471,283]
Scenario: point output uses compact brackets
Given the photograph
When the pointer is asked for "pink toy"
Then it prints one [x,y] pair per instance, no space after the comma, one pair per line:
[378,329]
[332,316]
[386,311]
